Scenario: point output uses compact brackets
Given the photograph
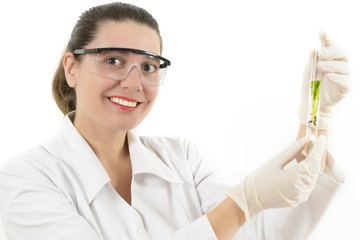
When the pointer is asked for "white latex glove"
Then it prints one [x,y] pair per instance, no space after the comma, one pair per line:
[274,186]
[335,81]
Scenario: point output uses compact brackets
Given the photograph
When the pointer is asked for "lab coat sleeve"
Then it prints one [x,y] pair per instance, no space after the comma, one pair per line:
[285,223]
[32,207]
[200,229]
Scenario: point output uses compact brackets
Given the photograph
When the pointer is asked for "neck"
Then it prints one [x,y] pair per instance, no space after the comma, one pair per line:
[110,147]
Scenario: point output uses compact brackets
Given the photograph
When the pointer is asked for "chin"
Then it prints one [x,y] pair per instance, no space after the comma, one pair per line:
[123,127]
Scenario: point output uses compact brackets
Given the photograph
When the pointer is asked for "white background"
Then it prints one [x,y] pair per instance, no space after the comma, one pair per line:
[233,86]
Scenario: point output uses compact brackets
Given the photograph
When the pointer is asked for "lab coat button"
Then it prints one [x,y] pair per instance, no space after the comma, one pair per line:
[142,233]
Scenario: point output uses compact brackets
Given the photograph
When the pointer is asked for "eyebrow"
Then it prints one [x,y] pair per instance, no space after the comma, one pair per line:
[127,52]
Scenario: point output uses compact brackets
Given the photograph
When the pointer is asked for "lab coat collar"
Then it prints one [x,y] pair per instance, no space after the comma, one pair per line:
[80,159]
[76,153]
[144,160]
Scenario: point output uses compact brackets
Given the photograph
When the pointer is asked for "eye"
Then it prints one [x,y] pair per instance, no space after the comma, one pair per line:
[150,68]
[114,61]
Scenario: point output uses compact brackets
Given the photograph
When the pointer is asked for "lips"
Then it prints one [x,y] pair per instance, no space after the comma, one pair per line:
[124,103]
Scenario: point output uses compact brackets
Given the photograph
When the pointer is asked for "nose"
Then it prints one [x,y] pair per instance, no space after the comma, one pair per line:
[132,79]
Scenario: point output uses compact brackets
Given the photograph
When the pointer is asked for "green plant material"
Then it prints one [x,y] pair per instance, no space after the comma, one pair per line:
[315,96]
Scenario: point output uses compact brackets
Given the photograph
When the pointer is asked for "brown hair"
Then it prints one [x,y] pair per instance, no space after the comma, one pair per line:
[84,32]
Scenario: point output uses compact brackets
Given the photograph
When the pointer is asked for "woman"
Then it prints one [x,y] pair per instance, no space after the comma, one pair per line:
[98,180]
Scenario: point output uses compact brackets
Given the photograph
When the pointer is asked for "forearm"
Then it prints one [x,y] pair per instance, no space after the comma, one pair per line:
[226,219]
[302,133]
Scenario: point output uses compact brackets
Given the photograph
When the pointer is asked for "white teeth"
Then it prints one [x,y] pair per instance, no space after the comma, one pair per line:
[123,102]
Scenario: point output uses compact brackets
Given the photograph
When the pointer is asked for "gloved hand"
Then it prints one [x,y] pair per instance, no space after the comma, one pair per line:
[274,186]
[335,81]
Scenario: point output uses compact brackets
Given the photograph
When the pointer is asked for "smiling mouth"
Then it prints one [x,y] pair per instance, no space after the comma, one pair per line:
[123,102]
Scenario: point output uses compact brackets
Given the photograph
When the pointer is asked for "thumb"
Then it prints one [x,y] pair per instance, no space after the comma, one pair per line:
[313,158]
[286,156]
[307,69]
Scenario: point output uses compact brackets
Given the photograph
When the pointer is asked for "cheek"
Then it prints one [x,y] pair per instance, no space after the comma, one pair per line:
[89,89]
[151,93]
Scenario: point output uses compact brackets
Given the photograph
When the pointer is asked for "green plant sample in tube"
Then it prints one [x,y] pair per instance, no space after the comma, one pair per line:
[315,96]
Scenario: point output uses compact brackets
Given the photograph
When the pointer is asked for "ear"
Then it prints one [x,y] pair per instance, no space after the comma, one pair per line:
[69,65]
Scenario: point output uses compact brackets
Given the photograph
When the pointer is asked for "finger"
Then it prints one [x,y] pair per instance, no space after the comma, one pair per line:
[312,163]
[286,156]
[333,53]
[338,67]
[342,82]
[304,174]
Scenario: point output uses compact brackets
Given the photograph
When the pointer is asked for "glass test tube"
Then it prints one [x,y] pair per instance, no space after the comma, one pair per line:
[314,100]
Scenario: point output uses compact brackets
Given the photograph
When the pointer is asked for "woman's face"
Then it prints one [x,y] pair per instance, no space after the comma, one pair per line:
[98,98]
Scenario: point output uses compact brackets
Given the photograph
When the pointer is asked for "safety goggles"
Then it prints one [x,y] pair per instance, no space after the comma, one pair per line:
[117,63]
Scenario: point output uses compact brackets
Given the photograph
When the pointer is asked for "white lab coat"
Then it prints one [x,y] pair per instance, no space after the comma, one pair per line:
[60,190]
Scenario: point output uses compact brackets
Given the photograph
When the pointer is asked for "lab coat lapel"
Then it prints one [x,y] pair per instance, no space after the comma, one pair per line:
[144,161]
[79,158]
